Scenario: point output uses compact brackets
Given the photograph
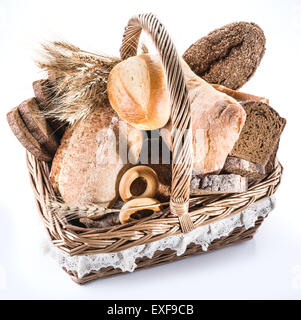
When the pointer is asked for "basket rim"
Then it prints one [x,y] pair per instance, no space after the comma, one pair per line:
[81,241]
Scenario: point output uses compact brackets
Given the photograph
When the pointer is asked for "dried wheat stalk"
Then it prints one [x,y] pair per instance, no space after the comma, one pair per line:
[80,83]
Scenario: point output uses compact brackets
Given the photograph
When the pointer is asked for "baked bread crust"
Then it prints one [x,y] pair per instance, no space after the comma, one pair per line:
[20,130]
[87,165]
[229,55]
[137,91]
[37,125]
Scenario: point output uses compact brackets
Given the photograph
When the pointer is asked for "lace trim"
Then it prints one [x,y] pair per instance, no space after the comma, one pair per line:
[125,259]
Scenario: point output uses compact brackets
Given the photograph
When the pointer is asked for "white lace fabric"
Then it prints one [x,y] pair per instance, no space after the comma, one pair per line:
[125,259]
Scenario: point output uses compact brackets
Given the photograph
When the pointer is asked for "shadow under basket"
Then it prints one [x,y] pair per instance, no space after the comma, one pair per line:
[189,226]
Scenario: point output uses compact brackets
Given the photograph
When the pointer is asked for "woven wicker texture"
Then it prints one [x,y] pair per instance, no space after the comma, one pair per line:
[77,240]
[161,257]
[182,154]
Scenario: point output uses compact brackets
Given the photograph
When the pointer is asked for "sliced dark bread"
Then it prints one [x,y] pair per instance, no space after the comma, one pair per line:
[216,184]
[260,134]
[244,168]
[43,91]
[24,136]
[271,163]
[37,125]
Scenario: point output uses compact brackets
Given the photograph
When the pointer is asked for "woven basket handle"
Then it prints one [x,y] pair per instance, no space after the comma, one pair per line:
[182,154]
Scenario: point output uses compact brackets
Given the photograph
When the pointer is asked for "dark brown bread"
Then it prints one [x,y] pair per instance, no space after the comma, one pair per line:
[228,56]
[24,136]
[43,91]
[260,134]
[244,168]
[216,184]
[37,125]
[271,163]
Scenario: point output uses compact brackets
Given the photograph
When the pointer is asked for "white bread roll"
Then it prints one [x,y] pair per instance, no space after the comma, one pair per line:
[89,160]
[137,91]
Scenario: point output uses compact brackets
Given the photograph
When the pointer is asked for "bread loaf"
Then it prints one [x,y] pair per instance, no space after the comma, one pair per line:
[216,184]
[217,121]
[260,134]
[137,92]
[244,168]
[92,156]
[229,55]
[38,125]
[238,95]
[22,133]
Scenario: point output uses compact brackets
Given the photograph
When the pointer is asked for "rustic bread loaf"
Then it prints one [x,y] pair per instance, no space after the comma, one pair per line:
[137,92]
[244,168]
[260,134]
[216,184]
[217,120]
[20,130]
[238,95]
[92,156]
[37,125]
[229,55]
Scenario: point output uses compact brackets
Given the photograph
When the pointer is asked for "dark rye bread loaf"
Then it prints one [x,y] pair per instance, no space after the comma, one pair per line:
[261,133]
[228,56]
[20,130]
[37,125]
[43,91]
[244,168]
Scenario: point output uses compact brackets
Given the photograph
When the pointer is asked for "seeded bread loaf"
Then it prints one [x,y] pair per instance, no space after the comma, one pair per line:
[20,130]
[244,168]
[228,56]
[260,134]
[216,184]
[37,125]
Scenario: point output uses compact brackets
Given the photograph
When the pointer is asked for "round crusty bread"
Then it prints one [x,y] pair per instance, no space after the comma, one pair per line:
[89,162]
[229,55]
[137,91]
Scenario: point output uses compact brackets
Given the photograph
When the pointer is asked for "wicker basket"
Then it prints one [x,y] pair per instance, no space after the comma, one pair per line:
[183,214]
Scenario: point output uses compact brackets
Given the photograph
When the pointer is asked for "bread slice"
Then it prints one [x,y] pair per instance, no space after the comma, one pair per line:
[43,91]
[24,136]
[271,163]
[244,168]
[37,125]
[217,184]
[260,134]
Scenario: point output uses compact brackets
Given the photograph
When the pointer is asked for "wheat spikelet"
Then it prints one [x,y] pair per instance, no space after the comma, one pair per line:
[80,83]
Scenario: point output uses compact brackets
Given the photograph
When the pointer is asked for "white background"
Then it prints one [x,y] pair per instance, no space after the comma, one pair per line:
[267,267]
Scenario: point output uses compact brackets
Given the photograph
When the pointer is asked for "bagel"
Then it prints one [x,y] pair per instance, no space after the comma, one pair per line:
[135,205]
[147,174]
